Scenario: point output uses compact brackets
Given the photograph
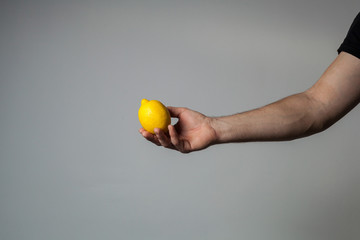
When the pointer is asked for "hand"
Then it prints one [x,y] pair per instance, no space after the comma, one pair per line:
[192,132]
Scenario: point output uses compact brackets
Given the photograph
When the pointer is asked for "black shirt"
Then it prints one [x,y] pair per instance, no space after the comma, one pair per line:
[351,43]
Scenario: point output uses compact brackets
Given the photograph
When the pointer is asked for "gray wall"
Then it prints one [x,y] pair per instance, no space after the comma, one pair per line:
[73,165]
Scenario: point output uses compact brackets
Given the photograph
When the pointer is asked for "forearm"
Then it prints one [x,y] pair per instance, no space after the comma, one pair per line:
[332,96]
[290,118]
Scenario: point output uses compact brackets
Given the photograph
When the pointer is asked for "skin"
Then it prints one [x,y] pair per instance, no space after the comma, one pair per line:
[299,115]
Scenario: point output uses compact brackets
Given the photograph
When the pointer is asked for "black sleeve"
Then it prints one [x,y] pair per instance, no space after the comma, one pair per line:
[351,43]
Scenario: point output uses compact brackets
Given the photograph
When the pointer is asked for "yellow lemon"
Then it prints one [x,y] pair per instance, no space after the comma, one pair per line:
[153,114]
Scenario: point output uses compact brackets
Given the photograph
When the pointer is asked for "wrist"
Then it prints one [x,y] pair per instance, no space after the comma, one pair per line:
[227,129]
[218,127]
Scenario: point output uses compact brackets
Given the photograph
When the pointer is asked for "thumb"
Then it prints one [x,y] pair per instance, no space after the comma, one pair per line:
[175,111]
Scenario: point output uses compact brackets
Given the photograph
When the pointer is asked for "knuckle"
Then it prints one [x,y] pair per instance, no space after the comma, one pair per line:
[184,151]
[175,143]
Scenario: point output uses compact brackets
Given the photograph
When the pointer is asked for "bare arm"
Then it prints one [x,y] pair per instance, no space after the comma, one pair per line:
[299,115]
[332,96]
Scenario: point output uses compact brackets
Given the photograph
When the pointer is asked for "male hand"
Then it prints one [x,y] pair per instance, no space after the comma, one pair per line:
[192,132]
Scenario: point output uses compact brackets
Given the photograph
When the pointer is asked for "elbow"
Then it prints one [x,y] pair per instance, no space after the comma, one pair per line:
[317,118]
[316,126]
[320,116]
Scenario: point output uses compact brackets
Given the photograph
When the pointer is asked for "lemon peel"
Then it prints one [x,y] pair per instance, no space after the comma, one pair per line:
[153,114]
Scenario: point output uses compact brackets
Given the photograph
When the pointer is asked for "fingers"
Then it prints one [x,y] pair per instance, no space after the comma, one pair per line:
[163,139]
[159,138]
[150,137]
[174,138]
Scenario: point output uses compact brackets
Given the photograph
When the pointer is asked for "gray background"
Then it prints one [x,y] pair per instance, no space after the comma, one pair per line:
[73,165]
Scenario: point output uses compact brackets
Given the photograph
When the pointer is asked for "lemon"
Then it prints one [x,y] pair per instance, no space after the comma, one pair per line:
[153,114]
